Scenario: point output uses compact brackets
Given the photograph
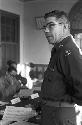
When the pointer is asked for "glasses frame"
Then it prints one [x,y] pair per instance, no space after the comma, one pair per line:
[50,26]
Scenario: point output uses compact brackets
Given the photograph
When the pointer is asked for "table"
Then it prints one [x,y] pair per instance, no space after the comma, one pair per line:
[25,102]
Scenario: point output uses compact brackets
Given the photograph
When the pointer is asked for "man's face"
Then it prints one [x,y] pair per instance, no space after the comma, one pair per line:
[13,73]
[53,30]
[14,65]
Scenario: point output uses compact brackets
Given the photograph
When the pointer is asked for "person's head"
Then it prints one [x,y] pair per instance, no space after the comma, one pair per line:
[32,66]
[57,26]
[12,71]
[12,63]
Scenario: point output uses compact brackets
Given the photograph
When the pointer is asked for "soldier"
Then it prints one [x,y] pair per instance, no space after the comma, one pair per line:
[62,84]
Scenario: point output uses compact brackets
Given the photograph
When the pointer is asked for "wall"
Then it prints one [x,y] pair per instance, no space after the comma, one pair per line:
[16,7]
[36,48]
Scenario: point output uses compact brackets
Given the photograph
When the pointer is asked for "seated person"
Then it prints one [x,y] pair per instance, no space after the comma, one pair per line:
[23,80]
[9,85]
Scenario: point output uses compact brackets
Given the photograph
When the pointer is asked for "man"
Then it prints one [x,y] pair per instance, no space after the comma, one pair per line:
[9,85]
[62,84]
[23,80]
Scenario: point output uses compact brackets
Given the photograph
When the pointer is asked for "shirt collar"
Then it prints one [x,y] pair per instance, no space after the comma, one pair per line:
[57,46]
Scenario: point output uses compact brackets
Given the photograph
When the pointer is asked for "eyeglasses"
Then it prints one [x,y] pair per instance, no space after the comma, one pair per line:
[50,26]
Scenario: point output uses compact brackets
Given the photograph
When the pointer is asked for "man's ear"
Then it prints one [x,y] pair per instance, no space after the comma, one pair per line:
[65,25]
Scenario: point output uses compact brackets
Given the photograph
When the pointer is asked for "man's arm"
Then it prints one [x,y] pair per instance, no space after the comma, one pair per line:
[71,64]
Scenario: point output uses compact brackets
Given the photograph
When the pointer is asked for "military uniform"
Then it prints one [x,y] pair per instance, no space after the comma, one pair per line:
[62,85]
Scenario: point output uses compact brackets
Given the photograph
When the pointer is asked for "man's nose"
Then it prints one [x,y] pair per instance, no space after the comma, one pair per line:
[46,30]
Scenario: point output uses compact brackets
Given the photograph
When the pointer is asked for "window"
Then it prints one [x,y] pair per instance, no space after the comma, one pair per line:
[9,27]
[9,36]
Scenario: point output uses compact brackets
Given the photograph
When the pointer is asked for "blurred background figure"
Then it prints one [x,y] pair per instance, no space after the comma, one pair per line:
[23,80]
[9,85]
[11,63]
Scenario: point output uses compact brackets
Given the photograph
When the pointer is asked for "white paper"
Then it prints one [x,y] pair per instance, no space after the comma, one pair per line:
[33,96]
[16,100]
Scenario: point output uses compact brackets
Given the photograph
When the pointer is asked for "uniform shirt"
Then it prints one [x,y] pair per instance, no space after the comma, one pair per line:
[63,77]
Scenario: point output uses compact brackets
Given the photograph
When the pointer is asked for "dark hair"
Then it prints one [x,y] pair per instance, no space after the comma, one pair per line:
[32,65]
[11,68]
[10,62]
[58,14]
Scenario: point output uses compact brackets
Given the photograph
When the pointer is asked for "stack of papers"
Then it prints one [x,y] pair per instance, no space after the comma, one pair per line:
[22,123]
[13,113]
[16,123]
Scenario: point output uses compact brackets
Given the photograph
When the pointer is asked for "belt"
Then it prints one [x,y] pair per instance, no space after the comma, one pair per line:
[59,104]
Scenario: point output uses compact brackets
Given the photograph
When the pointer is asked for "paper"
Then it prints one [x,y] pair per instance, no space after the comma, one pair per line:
[22,123]
[16,100]
[33,96]
[13,113]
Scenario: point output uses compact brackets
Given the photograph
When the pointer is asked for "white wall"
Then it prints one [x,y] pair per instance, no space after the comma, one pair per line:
[16,7]
[35,44]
